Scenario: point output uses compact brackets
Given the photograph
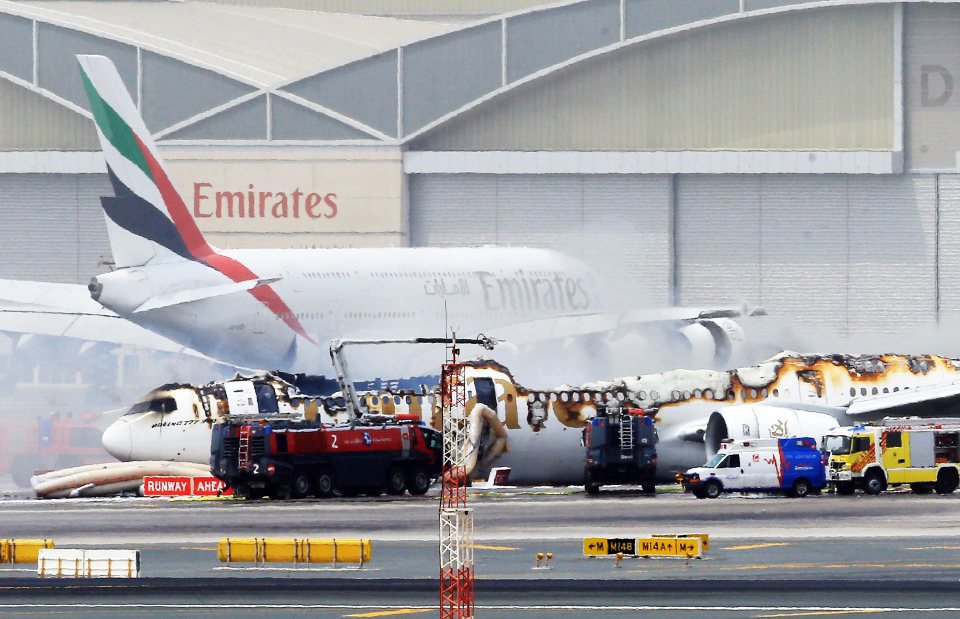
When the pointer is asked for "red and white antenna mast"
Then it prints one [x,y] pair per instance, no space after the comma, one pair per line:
[456,519]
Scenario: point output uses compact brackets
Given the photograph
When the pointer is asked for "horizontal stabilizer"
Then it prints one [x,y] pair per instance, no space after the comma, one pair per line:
[197,294]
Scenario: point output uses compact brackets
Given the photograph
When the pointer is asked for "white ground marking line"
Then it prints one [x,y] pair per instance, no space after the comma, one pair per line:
[850,609]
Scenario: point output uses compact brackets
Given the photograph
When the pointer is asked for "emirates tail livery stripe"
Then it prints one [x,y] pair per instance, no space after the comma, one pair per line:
[134,148]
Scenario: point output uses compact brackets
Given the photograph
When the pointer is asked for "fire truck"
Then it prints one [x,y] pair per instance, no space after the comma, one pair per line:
[924,453]
[54,441]
[621,449]
[283,458]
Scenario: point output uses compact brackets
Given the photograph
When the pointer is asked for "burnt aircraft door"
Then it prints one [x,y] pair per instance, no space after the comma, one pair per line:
[486,392]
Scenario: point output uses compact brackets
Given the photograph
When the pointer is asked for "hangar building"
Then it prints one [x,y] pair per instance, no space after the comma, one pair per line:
[796,154]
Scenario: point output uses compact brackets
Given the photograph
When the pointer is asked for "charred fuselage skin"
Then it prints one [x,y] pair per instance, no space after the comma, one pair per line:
[786,395]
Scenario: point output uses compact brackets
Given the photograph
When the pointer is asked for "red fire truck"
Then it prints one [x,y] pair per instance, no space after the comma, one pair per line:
[282,458]
[53,442]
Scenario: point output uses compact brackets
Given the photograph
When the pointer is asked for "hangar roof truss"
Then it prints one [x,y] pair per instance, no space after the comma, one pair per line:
[205,72]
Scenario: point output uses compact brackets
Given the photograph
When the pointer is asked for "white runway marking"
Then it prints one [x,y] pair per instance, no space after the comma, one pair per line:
[518,607]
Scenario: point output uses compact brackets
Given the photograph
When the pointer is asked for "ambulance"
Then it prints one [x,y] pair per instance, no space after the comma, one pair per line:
[924,453]
[789,465]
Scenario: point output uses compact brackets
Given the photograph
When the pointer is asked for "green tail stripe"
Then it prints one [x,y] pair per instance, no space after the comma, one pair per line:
[114,128]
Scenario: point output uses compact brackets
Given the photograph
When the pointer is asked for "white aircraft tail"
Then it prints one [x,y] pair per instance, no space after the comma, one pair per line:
[147,219]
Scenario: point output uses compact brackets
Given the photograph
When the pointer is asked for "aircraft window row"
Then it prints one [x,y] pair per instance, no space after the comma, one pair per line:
[874,391]
[419,274]
[380,314]
[331,275]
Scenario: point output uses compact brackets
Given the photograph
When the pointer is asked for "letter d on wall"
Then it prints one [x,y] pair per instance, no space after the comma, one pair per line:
[926,98]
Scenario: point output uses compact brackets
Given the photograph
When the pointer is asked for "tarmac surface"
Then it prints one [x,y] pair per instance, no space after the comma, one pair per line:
[769,556]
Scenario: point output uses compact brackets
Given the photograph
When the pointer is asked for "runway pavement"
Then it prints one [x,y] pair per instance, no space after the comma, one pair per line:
[784,553]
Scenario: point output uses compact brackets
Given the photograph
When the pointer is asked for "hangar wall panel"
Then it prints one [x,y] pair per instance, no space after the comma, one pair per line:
[773,82]
[842,254]
[618,224]
[949,255]
[30,121]
[59,71]
[52,226]
[931,96]
[16,46]
[541,39]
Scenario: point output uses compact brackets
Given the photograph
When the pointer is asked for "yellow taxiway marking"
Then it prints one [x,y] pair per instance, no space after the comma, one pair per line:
[755,546]
[483,547]
[388,613]
[818,613]
[837,566]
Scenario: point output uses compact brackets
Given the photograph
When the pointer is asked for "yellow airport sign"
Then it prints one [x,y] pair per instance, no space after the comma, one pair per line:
[602,546]
[669,547]
[655,546]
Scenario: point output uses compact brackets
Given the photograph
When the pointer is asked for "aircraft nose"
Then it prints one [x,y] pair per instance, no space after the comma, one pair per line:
[117,440]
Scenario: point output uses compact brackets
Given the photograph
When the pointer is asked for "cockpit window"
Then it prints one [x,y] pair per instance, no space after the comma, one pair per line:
[267,398]
[157,405]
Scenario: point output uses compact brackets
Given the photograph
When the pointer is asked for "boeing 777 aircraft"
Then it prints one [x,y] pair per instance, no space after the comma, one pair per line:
[279,308]
[537,432]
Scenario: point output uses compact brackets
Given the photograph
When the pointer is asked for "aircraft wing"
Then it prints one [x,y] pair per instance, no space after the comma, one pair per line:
[67,310]
[933,401]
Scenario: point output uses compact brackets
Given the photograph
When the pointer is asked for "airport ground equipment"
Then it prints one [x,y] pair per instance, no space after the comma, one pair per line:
[793,466]
[77,563]
[282,458]
[54,441]
[456,518]
[924,453]
[621,449]
[261,550]
[22,550]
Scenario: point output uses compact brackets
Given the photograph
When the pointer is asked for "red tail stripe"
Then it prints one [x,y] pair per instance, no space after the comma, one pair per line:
[198,247]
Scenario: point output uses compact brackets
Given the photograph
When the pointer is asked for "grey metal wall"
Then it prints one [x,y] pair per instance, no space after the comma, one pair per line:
[931,97]
[852,254]
[52,226]
[844,255]
[618,224]
[33,122]
[817,80]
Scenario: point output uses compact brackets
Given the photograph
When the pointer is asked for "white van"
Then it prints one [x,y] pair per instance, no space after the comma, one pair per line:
[790,465]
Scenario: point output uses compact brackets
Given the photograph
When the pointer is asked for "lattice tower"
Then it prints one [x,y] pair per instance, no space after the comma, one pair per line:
[456,519]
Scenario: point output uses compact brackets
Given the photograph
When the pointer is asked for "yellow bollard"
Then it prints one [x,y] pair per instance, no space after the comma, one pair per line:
[618,560]
[549,556]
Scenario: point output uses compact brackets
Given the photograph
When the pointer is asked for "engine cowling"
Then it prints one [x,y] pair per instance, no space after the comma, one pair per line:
[764,421]
[713,341]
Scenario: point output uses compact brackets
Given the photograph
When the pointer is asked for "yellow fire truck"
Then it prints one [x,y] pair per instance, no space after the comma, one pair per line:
[924,453]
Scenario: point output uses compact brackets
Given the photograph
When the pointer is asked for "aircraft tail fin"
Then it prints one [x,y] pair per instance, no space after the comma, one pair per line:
[147,219]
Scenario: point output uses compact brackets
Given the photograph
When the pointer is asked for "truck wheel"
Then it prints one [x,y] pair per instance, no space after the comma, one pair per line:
[874,483]
[920,488]
[846,488]
[712,489]
[325,483]
[21,471]
[418,481]
[801,488]
[396,481]
[301,485]
[699,493]
[946,481]
[241,491]
[649,488]
[589,485]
